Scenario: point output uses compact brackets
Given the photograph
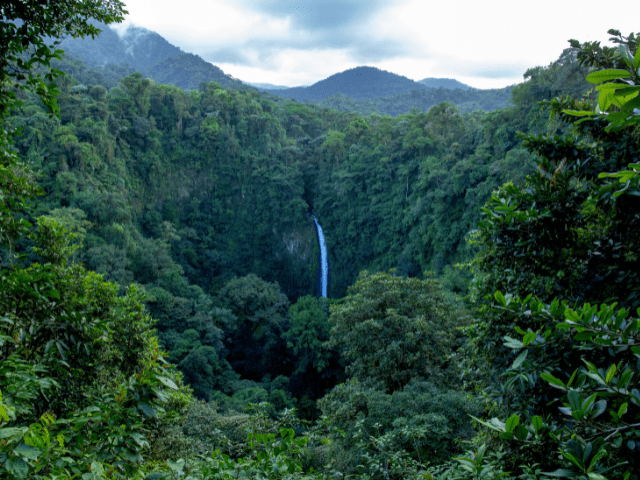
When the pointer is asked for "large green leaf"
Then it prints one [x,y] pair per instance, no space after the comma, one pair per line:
[552,380]
[625,53]
[610,86]
[27,451]
[605,99]
[521,358]
[537,423]
[561,473]
[606,75]
[512,422]
[168,382]
[610,373]
[500,298]
[631,104]
[13,432]
[148,411]
[17,467]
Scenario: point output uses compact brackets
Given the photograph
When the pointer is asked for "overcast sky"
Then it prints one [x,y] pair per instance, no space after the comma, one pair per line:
[483,43]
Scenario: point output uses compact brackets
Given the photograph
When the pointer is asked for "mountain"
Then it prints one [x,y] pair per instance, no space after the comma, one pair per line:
[138,47]
[188,71]
[448,83]
[359,83]
[267,86]
[147,52]
[363,89]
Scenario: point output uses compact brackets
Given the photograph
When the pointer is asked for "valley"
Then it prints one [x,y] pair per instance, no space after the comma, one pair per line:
[366,277]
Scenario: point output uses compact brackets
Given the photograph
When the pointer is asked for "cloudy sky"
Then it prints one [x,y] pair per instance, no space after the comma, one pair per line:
[483,43]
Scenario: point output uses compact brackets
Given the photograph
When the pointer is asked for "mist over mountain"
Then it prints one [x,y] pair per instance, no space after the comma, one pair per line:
[138,47]
[147,52]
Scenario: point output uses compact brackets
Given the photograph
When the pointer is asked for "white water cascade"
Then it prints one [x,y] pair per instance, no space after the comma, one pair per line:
[324,261]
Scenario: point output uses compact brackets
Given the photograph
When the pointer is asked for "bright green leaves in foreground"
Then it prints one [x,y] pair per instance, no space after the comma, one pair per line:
[71,347]
[83,387]
[581,376]
[563,252]
[618,87]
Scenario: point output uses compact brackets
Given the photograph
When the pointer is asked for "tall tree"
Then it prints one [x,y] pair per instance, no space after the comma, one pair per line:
[390,330]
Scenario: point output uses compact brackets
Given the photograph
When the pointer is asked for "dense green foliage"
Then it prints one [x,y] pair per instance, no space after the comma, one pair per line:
[185,193]
[390,330]
[83,388]
[466,101]
[176,222]
[567,240]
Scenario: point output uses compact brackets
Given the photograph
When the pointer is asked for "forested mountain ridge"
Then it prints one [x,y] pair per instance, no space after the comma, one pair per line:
[357,83]
[467,101]
[182,192]
[187,71]
[267,86]
[147,52]
[136,46]
[448,83]
[363,89]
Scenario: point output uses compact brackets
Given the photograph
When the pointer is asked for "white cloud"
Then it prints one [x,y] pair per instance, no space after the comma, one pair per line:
[293,67]
[486,44]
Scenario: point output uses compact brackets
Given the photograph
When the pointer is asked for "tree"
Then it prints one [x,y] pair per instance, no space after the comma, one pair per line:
[317,366]
[334,144]
[261,310]
[563,253]
[308,333]
[386,435]
[78,363]
[390,330]
[24,30]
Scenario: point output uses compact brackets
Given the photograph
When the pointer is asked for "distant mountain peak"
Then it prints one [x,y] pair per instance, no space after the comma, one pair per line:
[134,45]
[147,52]
[266,86]
[359,83]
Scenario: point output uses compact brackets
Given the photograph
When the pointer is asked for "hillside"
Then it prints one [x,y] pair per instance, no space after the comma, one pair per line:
[466,101]
[188,71]
[111,56]
[138,47]
[267,86]
[448,83]
[358,83]
[365,90]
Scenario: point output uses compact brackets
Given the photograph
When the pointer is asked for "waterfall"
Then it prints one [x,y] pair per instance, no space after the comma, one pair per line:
[324,261]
